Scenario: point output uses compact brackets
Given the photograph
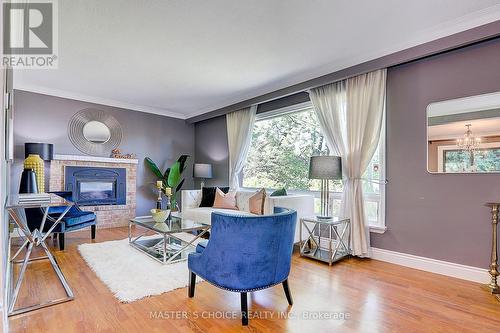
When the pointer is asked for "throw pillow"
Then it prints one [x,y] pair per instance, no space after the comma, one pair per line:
[279,193]
[256,202]
[208,195]
[225,200]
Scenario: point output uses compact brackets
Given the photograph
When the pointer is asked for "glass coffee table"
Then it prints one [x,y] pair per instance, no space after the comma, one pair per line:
[166,245]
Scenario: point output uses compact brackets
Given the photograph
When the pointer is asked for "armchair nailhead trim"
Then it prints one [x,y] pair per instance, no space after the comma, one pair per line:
[240,290]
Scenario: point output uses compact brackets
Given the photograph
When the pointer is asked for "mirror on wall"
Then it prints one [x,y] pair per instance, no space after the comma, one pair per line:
[94,132]
[463,135]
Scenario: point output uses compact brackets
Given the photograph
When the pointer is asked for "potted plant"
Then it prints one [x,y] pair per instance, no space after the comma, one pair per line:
[171,178]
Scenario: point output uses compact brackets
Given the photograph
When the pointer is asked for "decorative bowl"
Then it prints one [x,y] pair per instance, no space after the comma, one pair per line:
[160,215]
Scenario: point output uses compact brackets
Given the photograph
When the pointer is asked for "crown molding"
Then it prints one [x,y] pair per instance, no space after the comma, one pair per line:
[97,100]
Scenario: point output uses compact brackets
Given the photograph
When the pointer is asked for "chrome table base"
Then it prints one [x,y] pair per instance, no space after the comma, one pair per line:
[338,239]
[165,248]
[32,240]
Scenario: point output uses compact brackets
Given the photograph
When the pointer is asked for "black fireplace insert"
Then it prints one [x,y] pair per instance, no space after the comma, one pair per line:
[92,186]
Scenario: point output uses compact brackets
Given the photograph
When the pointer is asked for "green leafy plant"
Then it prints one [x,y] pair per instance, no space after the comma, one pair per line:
[171,178]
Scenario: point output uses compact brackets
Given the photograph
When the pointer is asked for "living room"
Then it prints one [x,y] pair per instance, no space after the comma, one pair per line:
[256,166]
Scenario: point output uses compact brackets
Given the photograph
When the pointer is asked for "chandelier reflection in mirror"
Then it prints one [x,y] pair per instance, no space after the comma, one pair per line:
[468,143]
[463,135]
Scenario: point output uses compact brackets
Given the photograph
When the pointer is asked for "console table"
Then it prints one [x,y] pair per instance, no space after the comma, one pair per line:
[35,238]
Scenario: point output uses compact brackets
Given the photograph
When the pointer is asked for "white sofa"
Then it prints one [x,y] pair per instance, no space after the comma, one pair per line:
[303,204]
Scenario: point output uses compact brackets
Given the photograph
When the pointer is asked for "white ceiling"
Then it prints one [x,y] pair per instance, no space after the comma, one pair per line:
[184,58]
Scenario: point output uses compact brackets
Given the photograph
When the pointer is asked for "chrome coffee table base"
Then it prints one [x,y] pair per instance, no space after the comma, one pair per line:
[165,247]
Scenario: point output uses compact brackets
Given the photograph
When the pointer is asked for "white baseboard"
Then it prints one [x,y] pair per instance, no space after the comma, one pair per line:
[459,271]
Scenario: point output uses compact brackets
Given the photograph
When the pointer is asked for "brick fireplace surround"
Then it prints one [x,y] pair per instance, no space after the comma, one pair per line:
[108,216]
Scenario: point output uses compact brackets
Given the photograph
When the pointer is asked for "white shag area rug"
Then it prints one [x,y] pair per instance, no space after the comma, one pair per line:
[131,274]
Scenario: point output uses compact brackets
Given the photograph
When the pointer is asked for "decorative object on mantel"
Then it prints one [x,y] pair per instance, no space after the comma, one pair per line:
[171,178]
[116,153]
[94,132]
[35,163]
[325,168]
[493,287]
[202,171]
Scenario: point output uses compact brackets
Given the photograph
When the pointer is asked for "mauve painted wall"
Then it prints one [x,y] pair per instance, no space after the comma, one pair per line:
[211,147]
[45,118]
[434,216]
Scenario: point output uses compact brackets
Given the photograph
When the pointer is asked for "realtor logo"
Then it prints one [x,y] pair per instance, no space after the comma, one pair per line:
[30,34]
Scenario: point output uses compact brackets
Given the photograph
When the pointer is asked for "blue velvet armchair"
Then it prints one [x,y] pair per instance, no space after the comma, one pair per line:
[246,253]
[74,219]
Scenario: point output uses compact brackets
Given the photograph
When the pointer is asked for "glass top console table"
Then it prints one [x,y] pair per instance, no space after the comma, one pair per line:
[16,206]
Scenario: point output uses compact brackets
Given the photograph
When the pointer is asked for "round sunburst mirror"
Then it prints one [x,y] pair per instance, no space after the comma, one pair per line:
[94,132]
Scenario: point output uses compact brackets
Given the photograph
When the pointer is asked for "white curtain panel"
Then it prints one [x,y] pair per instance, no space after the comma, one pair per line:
[350,113]
[239,136]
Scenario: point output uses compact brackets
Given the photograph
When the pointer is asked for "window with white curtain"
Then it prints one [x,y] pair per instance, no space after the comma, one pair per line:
[282,143]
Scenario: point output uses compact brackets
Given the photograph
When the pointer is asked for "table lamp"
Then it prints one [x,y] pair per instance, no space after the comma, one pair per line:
[325,168]
[40,153]
[202,171]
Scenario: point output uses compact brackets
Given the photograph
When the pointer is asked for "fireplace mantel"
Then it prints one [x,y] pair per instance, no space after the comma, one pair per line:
[87,158]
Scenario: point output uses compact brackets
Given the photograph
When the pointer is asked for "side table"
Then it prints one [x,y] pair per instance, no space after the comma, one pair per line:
[328,240]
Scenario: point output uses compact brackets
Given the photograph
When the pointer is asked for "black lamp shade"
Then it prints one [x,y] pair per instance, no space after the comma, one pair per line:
[28,182]
[201,170]
[44,150]
[325,167]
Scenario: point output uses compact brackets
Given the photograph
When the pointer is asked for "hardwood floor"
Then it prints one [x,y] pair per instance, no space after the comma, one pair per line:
[373,296]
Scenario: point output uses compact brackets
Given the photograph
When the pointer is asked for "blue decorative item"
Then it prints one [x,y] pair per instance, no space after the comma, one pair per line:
[246,253]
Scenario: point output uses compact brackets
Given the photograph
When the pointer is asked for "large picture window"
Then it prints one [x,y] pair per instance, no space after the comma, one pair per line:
[282,143]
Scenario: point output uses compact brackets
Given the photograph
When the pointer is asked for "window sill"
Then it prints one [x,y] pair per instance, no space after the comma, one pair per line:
[378,229]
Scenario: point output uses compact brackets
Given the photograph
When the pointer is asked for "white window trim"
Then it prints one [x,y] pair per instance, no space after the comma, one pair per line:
[381,227]
[375,227]
[283,111]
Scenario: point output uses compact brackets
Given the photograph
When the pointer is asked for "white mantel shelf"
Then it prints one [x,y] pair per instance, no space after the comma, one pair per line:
[95,159]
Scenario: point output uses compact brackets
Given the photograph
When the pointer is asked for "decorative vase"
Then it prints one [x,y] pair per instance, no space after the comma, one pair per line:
[35,163]
[160,215]
[28,182]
